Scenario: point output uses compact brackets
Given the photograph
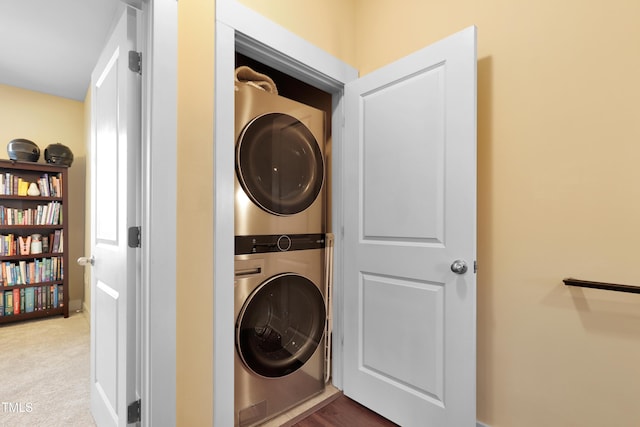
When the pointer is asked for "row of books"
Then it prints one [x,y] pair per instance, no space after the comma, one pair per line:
[10,244]
[36,271]
[27,300]
[49,214]
[50,186]
[12,185]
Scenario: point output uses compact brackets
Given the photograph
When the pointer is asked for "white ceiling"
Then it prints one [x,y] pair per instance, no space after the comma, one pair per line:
[51,46]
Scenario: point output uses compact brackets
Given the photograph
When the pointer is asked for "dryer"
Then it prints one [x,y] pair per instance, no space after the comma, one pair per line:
[280,165]
[280,311]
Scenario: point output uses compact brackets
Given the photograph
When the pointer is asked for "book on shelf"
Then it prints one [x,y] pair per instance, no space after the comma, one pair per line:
[22,272]
[7,244]
[11,244]
[32,272]
[57,241]
[8,303]
[26,272]
[49,185]
[16,301]
[56,186]
[49,214]
[7,276]
[43,184]
[28,300]
[29,294]
[23,187]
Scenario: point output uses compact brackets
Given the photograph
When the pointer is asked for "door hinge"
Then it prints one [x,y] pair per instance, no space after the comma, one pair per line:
[135,61]
[133,412]
[475,266]
[135,236]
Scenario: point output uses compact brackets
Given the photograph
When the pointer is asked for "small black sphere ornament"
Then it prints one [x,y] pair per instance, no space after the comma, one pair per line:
[58,154]
[23,150]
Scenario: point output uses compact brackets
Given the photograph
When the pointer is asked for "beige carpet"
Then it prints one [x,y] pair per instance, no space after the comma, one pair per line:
[44,373]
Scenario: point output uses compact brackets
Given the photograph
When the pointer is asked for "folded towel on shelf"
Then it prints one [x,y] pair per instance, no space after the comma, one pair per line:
[251,77]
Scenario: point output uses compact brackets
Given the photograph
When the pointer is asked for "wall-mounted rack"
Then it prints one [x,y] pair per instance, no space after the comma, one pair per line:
[601,285]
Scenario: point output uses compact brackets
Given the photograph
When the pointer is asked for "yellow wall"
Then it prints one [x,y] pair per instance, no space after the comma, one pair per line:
[87,198]
[46,119]
[194,293]
[330,26]
[558,192]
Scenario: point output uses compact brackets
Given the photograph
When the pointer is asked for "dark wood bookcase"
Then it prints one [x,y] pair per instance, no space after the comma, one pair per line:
[38,281]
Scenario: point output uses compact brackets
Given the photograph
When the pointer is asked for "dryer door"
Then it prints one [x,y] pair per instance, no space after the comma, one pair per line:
[280,325]
[279,164]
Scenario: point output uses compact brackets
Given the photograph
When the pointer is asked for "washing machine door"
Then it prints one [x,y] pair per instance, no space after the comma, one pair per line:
[279,164]
[280,325]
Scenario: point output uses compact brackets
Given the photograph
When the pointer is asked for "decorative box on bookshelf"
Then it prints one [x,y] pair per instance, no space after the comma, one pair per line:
[33,241]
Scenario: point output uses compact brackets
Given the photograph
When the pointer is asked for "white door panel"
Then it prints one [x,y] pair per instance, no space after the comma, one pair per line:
[106,362]
[410,211]
[114,159]
[413,165]
[390,304]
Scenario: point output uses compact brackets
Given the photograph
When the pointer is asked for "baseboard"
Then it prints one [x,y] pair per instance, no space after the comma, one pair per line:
[479,424]
[86,310]
[75,305]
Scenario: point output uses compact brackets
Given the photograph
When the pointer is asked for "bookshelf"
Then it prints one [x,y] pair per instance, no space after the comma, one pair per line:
[33,241]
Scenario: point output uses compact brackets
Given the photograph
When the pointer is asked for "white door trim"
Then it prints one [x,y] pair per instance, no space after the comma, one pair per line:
[288,51]
[223,238]
[238,27]
[157,309]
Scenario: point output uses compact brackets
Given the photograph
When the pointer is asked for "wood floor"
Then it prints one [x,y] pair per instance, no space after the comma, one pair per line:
[344,412]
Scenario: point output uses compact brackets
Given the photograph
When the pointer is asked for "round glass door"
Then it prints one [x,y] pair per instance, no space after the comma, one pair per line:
[280,325]
[279,164]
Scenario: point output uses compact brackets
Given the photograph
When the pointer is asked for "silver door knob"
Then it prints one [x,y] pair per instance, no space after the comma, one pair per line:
[459,266]
[84,261]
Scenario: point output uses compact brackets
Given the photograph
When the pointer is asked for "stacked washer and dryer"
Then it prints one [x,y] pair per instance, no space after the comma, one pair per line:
[280,259]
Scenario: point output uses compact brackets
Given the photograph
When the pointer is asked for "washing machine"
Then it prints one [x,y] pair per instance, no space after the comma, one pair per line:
[280,165]
[281,317]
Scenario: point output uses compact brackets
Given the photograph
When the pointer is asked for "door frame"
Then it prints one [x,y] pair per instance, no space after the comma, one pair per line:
[241,29]
[156,311]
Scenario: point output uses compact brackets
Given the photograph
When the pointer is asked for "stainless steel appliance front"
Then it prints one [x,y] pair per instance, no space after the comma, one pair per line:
[280,311]
[280,165]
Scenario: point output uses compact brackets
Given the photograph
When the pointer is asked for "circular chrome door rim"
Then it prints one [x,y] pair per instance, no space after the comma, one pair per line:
[305,351]
[250,182]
